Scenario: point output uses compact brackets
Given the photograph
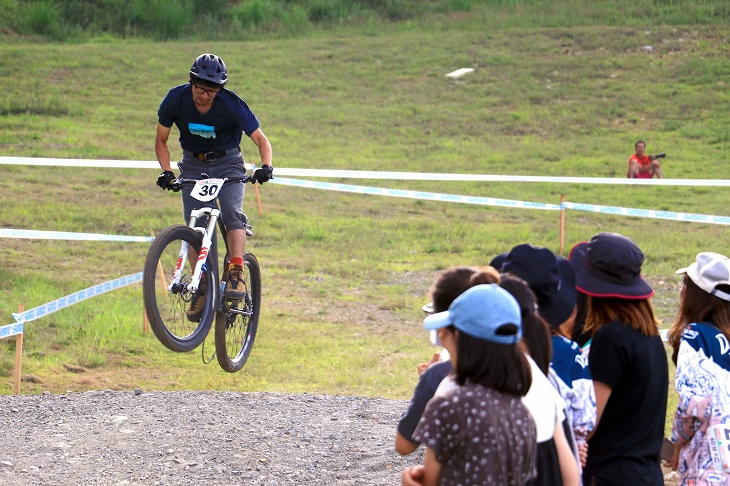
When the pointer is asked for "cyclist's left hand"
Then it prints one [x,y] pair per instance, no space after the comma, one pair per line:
[263,174]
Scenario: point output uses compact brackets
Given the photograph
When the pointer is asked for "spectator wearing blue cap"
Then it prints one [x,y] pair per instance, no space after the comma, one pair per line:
[468,442]
[700,337]
[542,400]
[627,362]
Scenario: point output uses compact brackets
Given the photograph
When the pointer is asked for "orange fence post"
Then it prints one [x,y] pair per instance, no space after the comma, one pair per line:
[145,322]
[18,355]
[258,197]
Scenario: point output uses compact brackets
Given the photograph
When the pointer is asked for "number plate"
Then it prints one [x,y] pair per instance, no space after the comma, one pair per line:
[206,189]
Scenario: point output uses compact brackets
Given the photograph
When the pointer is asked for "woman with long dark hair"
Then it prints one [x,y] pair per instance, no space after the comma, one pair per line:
[627,362]
[700,337]
[556,463]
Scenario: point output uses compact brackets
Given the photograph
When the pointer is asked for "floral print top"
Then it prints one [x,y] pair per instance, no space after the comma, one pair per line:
[480,436]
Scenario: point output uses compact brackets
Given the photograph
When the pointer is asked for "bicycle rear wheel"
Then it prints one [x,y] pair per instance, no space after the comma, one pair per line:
[235,328]
[167,307]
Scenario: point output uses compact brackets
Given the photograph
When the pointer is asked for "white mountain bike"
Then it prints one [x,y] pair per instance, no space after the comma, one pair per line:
[172,276]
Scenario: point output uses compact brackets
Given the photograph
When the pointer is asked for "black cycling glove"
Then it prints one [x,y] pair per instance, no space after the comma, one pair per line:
[263,174]
[165,179]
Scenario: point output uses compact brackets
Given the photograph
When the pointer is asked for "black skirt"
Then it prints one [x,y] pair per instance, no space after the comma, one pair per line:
[548,466]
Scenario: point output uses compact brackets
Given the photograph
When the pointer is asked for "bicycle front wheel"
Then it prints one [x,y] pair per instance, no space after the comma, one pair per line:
[170,307]
[235,328]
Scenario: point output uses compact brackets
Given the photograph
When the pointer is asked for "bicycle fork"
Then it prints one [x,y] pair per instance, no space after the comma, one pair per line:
[200,265]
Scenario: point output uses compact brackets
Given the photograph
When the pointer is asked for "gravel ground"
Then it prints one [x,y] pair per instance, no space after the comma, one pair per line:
[135,438]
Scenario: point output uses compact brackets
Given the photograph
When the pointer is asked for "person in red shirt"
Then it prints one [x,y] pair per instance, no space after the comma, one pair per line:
[642,166]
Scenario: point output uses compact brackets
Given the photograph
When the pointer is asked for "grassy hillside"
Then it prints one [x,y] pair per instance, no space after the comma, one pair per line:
[345,275]
[105,20]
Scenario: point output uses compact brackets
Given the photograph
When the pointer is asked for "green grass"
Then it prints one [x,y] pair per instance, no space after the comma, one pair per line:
[345,275]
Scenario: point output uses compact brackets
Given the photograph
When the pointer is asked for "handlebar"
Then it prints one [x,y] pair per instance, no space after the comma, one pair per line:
[178,184]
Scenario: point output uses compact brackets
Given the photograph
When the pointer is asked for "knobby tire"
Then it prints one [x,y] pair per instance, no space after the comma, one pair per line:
[166,310]
[235,333]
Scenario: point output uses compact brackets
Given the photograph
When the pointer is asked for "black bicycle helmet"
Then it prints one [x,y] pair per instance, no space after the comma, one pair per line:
[210,68]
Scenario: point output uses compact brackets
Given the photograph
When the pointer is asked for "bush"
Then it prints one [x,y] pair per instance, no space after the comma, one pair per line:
[328,10]
[253,13]
[40,18]
[209,7]
[69,20]
[294,20]
[166,19]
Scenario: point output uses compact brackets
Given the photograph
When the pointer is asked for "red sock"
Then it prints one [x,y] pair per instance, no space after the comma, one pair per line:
[236,261]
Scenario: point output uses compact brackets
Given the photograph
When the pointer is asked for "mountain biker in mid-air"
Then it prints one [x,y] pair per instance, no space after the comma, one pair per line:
[212,120]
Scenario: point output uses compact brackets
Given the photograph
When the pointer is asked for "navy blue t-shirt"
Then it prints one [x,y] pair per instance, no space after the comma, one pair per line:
[428,382]
[221,128]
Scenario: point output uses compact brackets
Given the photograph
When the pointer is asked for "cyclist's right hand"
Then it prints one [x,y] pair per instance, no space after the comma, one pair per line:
[166,179]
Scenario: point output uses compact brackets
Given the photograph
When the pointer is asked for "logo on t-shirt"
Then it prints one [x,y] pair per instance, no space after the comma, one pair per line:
[690,334]
[724,344]
[204,131]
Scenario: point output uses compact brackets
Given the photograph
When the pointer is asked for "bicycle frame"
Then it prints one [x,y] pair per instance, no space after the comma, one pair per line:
[207,247]
[206,233]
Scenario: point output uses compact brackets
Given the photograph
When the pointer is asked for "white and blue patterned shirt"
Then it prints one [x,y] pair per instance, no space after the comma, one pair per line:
[703,385]
[575,385]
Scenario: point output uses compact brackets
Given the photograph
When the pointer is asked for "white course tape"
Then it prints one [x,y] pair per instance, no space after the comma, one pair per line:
[40,311]
[433,196]
[11,330]
[664,334]
[415,176]
[102,163]
[64,235]
[113,164]
[649,213]
[488,201]
[368,174]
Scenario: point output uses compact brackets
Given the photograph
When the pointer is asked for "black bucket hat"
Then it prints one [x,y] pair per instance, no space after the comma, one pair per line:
[550,278]
[609,266]
[577,255]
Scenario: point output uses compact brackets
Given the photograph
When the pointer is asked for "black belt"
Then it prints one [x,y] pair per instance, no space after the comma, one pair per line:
[210,156]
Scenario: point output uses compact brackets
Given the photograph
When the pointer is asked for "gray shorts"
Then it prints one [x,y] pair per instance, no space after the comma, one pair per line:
[231,195]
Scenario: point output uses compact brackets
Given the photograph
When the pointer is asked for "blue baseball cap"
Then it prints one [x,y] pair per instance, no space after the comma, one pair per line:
[479,312]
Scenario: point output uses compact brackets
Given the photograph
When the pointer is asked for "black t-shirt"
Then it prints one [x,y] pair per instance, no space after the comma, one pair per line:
[626,446]
[426,387]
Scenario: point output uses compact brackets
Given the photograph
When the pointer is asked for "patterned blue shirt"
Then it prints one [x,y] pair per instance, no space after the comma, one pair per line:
[703,385]
[575,385]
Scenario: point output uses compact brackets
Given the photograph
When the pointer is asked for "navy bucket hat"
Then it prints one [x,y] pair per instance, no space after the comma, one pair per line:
[550,278]
[609,266]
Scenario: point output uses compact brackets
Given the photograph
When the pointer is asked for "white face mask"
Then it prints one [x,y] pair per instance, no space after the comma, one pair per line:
[434,337]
